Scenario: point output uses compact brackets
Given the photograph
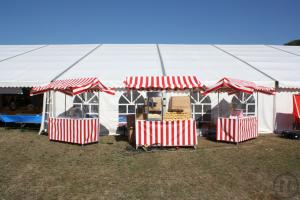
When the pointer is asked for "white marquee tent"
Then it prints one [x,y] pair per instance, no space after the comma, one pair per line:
[27,66]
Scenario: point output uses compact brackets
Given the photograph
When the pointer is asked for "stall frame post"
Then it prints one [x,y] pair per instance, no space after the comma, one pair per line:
[218,104]
[99,125]
[65,105]
[257,109]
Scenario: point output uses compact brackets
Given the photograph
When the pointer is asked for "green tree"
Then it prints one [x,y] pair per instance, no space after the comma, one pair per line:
[293,43]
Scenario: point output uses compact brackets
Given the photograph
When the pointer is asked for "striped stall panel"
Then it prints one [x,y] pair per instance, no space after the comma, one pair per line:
[231,86]
[77,131]
[73,86]
[163,82]
[236,129]
[166,133]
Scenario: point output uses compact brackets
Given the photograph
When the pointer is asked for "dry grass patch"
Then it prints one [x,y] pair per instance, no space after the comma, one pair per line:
[34,168]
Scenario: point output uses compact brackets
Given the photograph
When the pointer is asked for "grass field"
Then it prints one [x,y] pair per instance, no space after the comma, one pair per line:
[34,168]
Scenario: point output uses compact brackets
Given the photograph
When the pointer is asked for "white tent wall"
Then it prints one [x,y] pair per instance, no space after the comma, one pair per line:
[284,109]
[61,104]
[264,108]
[109,113]
[109,109]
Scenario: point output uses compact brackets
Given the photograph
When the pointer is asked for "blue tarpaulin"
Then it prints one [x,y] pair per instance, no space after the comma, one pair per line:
[26,119]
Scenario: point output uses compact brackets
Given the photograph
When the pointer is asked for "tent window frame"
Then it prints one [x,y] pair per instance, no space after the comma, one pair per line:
[86,102]
[245,101]
[199,102]
[134,96]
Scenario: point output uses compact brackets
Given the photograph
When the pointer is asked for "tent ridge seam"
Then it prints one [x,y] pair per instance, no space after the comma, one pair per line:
[76,62]
[282,50]
[161,60]
[245,62]
[20,54]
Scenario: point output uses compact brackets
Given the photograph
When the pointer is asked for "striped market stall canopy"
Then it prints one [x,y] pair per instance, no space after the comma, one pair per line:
[231,86]
[162,82]
[73,86]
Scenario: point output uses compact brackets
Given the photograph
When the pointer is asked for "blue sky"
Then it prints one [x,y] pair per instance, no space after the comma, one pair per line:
[149,21]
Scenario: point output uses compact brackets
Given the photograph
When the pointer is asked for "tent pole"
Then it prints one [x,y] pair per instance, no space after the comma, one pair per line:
[257,105]
[99,111]
[82,107]
[65,105]
[42,127]
[218,104]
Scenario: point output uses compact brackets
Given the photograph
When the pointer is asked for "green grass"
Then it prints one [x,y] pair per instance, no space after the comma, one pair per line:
[31,167]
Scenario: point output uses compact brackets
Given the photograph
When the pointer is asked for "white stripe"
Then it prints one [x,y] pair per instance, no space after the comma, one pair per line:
[170,133]
[153,133]
[186,133]
[175,132]
[164,133]
[158,133]
[142,132]
[180,132]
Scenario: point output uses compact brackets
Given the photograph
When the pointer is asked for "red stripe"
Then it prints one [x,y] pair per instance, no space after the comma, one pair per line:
[151,133]
[139,132]
[163,82]
[147,82]
[66,130]
[169,82]
[60,129]
[135,82]
[172,132]
[49,128]
[234,131]
[189,132]
[183,132]
[72,131]
[145,133]
[174,83]
[161,133]
[141,82]
[194,132]
[157,82]
[83,136]
[152,82]
[221,129]
[167,133]
[178,131]
[230,132]
[80,132]
[156,132]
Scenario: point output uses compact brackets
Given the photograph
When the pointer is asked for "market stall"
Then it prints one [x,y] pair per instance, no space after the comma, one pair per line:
[237,127]
[73,126]
[165,118]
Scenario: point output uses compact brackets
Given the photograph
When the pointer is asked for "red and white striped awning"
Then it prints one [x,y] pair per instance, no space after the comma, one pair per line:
[162,82]
[73,86]
[231,86]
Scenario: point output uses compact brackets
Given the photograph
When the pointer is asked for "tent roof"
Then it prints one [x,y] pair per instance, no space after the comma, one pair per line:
[112,63]
[30,65]
[39,66]
[10,51]
[208,63]
[283,66]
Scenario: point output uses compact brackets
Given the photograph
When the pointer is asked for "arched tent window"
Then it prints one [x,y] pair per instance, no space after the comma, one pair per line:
[201,107]
[88,102]
[245,102]
[128,100]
